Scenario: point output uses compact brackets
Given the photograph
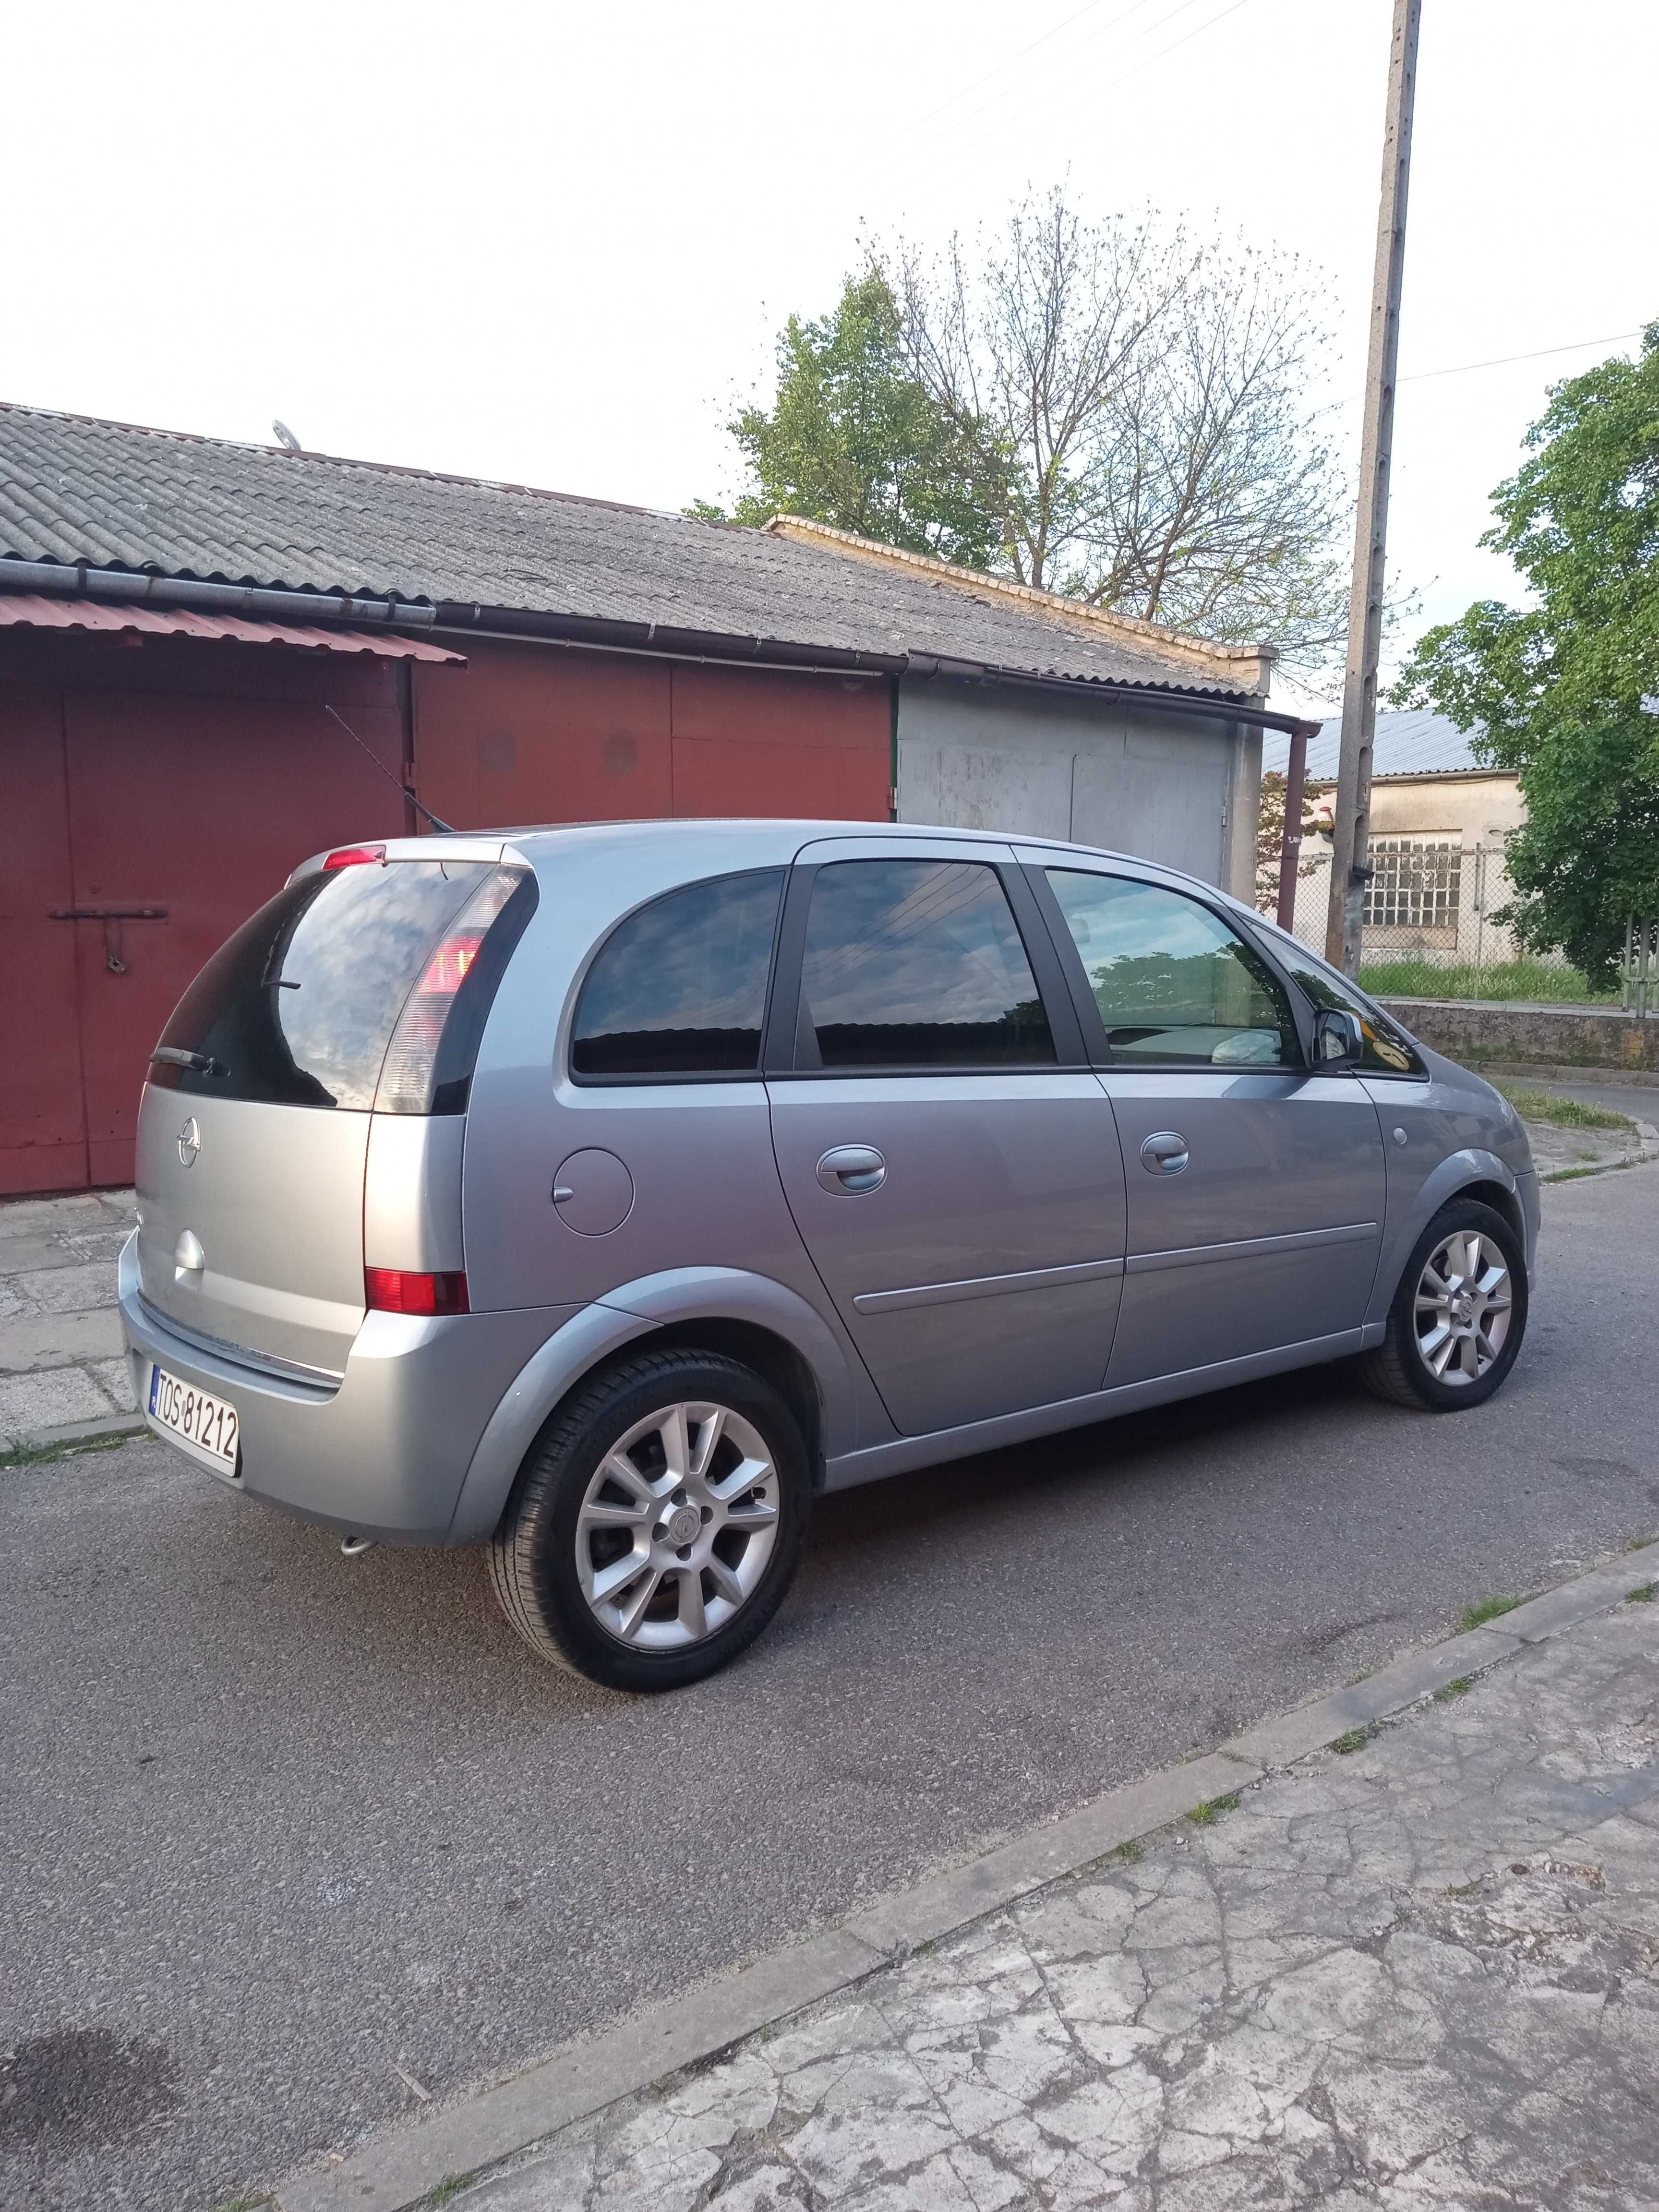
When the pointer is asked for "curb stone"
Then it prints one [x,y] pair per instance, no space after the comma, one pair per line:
[1647,1148]
[401,2166]
[74,1432]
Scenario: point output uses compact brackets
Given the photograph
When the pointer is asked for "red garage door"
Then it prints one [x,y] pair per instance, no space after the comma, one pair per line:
[194,809]
[141,829]
[529,733]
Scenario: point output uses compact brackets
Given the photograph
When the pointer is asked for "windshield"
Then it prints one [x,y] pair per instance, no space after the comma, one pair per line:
[298,1007]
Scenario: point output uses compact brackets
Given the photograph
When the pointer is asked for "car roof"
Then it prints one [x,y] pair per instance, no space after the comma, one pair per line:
[728,842]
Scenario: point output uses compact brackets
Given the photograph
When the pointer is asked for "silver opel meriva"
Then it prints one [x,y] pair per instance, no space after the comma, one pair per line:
[600,1193]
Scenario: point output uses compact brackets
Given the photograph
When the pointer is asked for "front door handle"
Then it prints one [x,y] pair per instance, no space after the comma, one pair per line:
[849,1170]
[1164,1153]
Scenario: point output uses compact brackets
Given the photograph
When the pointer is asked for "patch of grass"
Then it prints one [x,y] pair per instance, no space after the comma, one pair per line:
[1644,1595]
[1641,1543]
[1484,1609]
[1207,1815]
[1407,978]
[1356,1739]
[249,2203]
[68,1447]
[1458,1688]
[451,2185]
[1565,1113]
[1127,1854]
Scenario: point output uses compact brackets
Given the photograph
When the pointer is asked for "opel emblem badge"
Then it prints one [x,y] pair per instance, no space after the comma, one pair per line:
[190,1143]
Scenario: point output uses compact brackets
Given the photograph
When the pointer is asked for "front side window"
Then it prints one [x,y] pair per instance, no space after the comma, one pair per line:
[679,988]
[1387,1049]
[917,963]
[1172,983]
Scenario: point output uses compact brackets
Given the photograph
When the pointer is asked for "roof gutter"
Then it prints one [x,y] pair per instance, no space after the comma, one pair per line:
[659,641]
[1224,705]
[78,580]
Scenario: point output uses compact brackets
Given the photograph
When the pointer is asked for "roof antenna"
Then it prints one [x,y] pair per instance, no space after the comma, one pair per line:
[285,436]
[444,829]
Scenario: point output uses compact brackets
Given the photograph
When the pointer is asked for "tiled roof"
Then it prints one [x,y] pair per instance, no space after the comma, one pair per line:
[1405,745]
[73,488]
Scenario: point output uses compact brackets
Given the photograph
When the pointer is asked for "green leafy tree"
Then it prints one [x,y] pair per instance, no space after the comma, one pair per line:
[854,439]
[1559,686]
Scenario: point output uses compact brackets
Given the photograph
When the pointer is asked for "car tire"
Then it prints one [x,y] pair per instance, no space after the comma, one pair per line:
[616,1479]
[1448,1344]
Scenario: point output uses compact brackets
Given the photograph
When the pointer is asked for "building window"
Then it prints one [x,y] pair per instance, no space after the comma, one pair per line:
[1414,885]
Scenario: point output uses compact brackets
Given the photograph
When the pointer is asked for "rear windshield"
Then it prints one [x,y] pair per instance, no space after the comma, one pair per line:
[297,1009]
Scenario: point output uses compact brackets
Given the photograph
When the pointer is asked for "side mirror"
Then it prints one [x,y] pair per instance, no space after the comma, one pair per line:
[1339,1041]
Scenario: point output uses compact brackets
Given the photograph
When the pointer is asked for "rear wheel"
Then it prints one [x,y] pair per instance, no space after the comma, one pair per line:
[1459,1315]
[657,1524]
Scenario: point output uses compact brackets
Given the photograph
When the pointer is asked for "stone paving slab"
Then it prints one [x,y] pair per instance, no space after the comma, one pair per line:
[1424,1974]
[62,1372]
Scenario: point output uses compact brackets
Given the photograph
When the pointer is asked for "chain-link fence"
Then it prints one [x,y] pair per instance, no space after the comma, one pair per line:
[1429,930]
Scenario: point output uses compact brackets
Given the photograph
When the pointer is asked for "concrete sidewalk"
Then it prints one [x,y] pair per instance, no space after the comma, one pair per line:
[1419,1968]
[63,1374]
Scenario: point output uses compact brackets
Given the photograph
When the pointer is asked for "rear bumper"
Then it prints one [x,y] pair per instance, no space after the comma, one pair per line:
[383,1453]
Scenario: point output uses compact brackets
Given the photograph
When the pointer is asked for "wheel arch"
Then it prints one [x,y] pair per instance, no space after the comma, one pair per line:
[746,1317]
[1501,1199]
[1470,1173]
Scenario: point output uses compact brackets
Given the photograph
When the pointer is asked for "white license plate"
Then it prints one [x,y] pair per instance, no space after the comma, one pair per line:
[196,1418]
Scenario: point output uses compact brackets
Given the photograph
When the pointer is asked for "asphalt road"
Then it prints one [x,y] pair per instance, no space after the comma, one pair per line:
[275,1826]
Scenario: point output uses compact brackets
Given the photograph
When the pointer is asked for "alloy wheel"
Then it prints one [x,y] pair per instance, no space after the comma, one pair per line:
[1464,1301]
[676,1526]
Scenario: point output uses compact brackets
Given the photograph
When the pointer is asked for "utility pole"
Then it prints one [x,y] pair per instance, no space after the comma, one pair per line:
[1351,833]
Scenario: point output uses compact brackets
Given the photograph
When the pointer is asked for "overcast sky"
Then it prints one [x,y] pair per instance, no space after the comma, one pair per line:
[550,243]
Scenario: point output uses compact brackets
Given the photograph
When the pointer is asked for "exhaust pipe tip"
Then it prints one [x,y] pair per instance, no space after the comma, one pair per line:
[353,1548]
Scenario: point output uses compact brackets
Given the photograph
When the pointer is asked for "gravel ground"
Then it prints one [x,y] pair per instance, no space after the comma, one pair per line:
[278,1832]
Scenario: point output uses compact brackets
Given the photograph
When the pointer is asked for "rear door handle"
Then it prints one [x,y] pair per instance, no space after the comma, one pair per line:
[1164,1153]
[847,1170]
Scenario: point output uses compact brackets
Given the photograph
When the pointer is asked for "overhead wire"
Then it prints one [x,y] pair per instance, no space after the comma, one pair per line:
[1112,83]
[1008,60]
[1503,360]
[918,147]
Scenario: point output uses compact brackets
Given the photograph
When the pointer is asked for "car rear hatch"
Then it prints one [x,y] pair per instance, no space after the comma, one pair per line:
[360,991]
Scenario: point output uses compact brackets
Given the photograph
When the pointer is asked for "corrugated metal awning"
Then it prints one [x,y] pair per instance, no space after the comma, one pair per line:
[29,610]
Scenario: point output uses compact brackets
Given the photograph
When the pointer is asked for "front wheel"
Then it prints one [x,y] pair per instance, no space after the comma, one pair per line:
[658,1523]
[1458,1316]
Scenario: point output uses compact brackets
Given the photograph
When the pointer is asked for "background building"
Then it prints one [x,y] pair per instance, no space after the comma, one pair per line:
[217,658]
[1440,822]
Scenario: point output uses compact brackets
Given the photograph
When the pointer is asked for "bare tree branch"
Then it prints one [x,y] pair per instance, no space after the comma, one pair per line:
[1135,410]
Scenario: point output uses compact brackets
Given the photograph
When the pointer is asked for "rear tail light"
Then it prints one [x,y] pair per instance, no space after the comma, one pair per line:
[355,856]
[394,1290]
[418,1076]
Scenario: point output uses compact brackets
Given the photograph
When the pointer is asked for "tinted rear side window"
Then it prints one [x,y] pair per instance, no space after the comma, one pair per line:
[679,988]
[297,1009]
[917,963]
